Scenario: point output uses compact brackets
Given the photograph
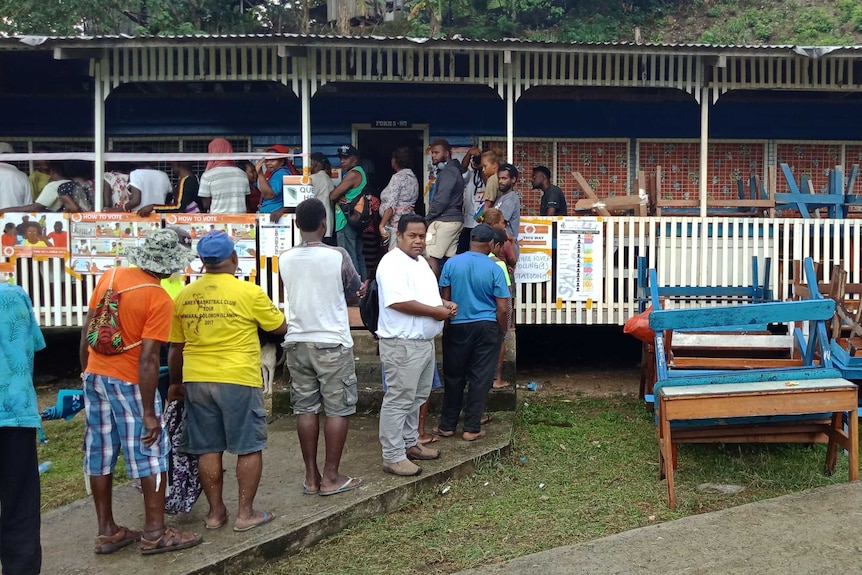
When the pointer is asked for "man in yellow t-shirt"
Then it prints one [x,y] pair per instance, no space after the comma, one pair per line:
[215,363]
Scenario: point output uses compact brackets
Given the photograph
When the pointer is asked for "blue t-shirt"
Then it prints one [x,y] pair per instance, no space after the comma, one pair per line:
[276,182]
[20,338]
[476,283]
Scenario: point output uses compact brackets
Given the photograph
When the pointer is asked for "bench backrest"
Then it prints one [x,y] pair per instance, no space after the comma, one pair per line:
[649,291]
[756,314]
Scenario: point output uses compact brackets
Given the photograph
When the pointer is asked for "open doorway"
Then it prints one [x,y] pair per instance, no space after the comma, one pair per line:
[376,146]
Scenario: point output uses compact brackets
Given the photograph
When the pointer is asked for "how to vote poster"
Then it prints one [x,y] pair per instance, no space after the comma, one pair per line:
[579,259]
[98,240]
[240,228]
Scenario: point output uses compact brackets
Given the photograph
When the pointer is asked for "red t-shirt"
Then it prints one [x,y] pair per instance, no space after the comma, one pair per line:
[59,239]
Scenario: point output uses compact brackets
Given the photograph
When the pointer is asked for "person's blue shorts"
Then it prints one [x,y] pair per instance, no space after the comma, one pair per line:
[114,413]
[223,417]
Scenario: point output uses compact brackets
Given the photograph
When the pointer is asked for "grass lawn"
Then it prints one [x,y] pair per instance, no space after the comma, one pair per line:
[64,482]
[581,469]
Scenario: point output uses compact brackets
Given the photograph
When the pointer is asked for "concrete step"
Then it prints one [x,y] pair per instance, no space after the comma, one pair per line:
[301,520]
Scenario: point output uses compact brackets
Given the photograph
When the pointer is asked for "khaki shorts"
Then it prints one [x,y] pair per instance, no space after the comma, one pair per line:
[441,239]
[322,378]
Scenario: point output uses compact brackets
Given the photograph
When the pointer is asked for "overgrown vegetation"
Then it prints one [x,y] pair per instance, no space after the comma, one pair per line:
[804,22]
[581,469]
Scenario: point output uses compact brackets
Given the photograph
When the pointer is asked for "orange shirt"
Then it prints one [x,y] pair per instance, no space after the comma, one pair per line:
[145,313]
[9,240]
[59,239]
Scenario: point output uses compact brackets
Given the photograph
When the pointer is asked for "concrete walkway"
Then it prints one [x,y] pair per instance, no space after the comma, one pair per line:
[301,520]
[812,532]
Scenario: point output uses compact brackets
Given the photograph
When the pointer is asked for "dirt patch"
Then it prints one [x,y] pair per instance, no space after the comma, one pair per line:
[591,382]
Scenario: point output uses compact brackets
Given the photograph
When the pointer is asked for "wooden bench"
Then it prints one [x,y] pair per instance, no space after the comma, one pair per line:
[801,402]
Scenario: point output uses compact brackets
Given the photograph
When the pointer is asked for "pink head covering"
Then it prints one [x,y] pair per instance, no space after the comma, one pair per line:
[220,146]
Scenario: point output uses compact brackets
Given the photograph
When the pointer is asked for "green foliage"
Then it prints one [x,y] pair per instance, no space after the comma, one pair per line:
[709,21]
[850,12]
[815,26]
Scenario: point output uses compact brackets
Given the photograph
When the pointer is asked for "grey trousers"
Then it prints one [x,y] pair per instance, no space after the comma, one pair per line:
[409,369]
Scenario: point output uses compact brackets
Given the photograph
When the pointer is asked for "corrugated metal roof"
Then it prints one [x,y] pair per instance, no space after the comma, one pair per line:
[457,41]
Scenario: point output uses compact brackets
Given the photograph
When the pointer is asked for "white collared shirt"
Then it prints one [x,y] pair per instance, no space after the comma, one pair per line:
[400,278]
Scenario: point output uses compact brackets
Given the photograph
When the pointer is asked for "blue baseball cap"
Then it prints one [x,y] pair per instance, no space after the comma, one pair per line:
[215,247]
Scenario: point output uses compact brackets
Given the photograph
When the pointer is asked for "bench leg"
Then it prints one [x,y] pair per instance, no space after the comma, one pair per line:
[854,445]
[832,446]
[667,457]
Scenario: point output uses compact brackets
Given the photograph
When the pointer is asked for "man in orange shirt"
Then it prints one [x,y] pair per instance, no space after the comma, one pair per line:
[122,407]
[59,237]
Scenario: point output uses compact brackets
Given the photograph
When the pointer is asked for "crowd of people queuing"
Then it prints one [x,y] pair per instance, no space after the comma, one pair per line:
[448,271]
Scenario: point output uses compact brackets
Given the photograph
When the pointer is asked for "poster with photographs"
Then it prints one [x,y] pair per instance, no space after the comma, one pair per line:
[8,273]
[240,227]
[98,241]
[34,235]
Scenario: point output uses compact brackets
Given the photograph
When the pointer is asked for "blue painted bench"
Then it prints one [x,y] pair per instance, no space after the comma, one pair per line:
[805,402]
[649,291]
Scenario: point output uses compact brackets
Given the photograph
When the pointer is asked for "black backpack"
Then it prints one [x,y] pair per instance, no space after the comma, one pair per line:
[369,308]
[358,211]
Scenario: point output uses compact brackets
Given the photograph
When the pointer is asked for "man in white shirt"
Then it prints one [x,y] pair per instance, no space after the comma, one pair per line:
[147,185]
[411,316]
[14,184]
[322,184]
[320,281]
[49,198]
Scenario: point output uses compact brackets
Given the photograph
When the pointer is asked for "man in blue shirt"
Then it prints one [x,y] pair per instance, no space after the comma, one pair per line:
[20,338]
[471,341]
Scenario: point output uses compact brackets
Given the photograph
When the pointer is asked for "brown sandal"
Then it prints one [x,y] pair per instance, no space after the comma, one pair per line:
[106,544]
[171,540]
[442,432]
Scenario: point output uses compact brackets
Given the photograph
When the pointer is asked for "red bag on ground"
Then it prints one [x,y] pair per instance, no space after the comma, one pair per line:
[638,326]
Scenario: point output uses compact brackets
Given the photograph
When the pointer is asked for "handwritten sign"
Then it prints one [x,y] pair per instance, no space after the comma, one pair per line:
[533,267]
[535,239]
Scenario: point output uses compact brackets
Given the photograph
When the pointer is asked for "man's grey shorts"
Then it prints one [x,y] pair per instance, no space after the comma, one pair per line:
[323,378]
[223,417]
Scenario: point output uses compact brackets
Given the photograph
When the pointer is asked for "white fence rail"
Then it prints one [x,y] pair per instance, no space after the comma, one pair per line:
[685,251]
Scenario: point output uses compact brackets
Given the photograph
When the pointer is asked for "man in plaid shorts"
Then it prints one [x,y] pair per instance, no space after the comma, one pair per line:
[122,407]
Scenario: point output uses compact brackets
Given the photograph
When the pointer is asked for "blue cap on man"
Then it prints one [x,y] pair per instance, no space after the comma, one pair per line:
[215,247]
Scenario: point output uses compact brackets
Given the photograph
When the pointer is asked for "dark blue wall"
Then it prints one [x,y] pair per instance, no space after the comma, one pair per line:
[267,117]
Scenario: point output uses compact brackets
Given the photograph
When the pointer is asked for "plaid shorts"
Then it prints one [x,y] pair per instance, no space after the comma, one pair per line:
[114,412]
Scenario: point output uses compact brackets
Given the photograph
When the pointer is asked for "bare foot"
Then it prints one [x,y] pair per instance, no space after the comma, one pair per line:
[312,484]
[425,439]
[499,383]
[216,519]
[257,519]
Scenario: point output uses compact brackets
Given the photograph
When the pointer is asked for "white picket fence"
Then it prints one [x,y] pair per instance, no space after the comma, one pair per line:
[685,251]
